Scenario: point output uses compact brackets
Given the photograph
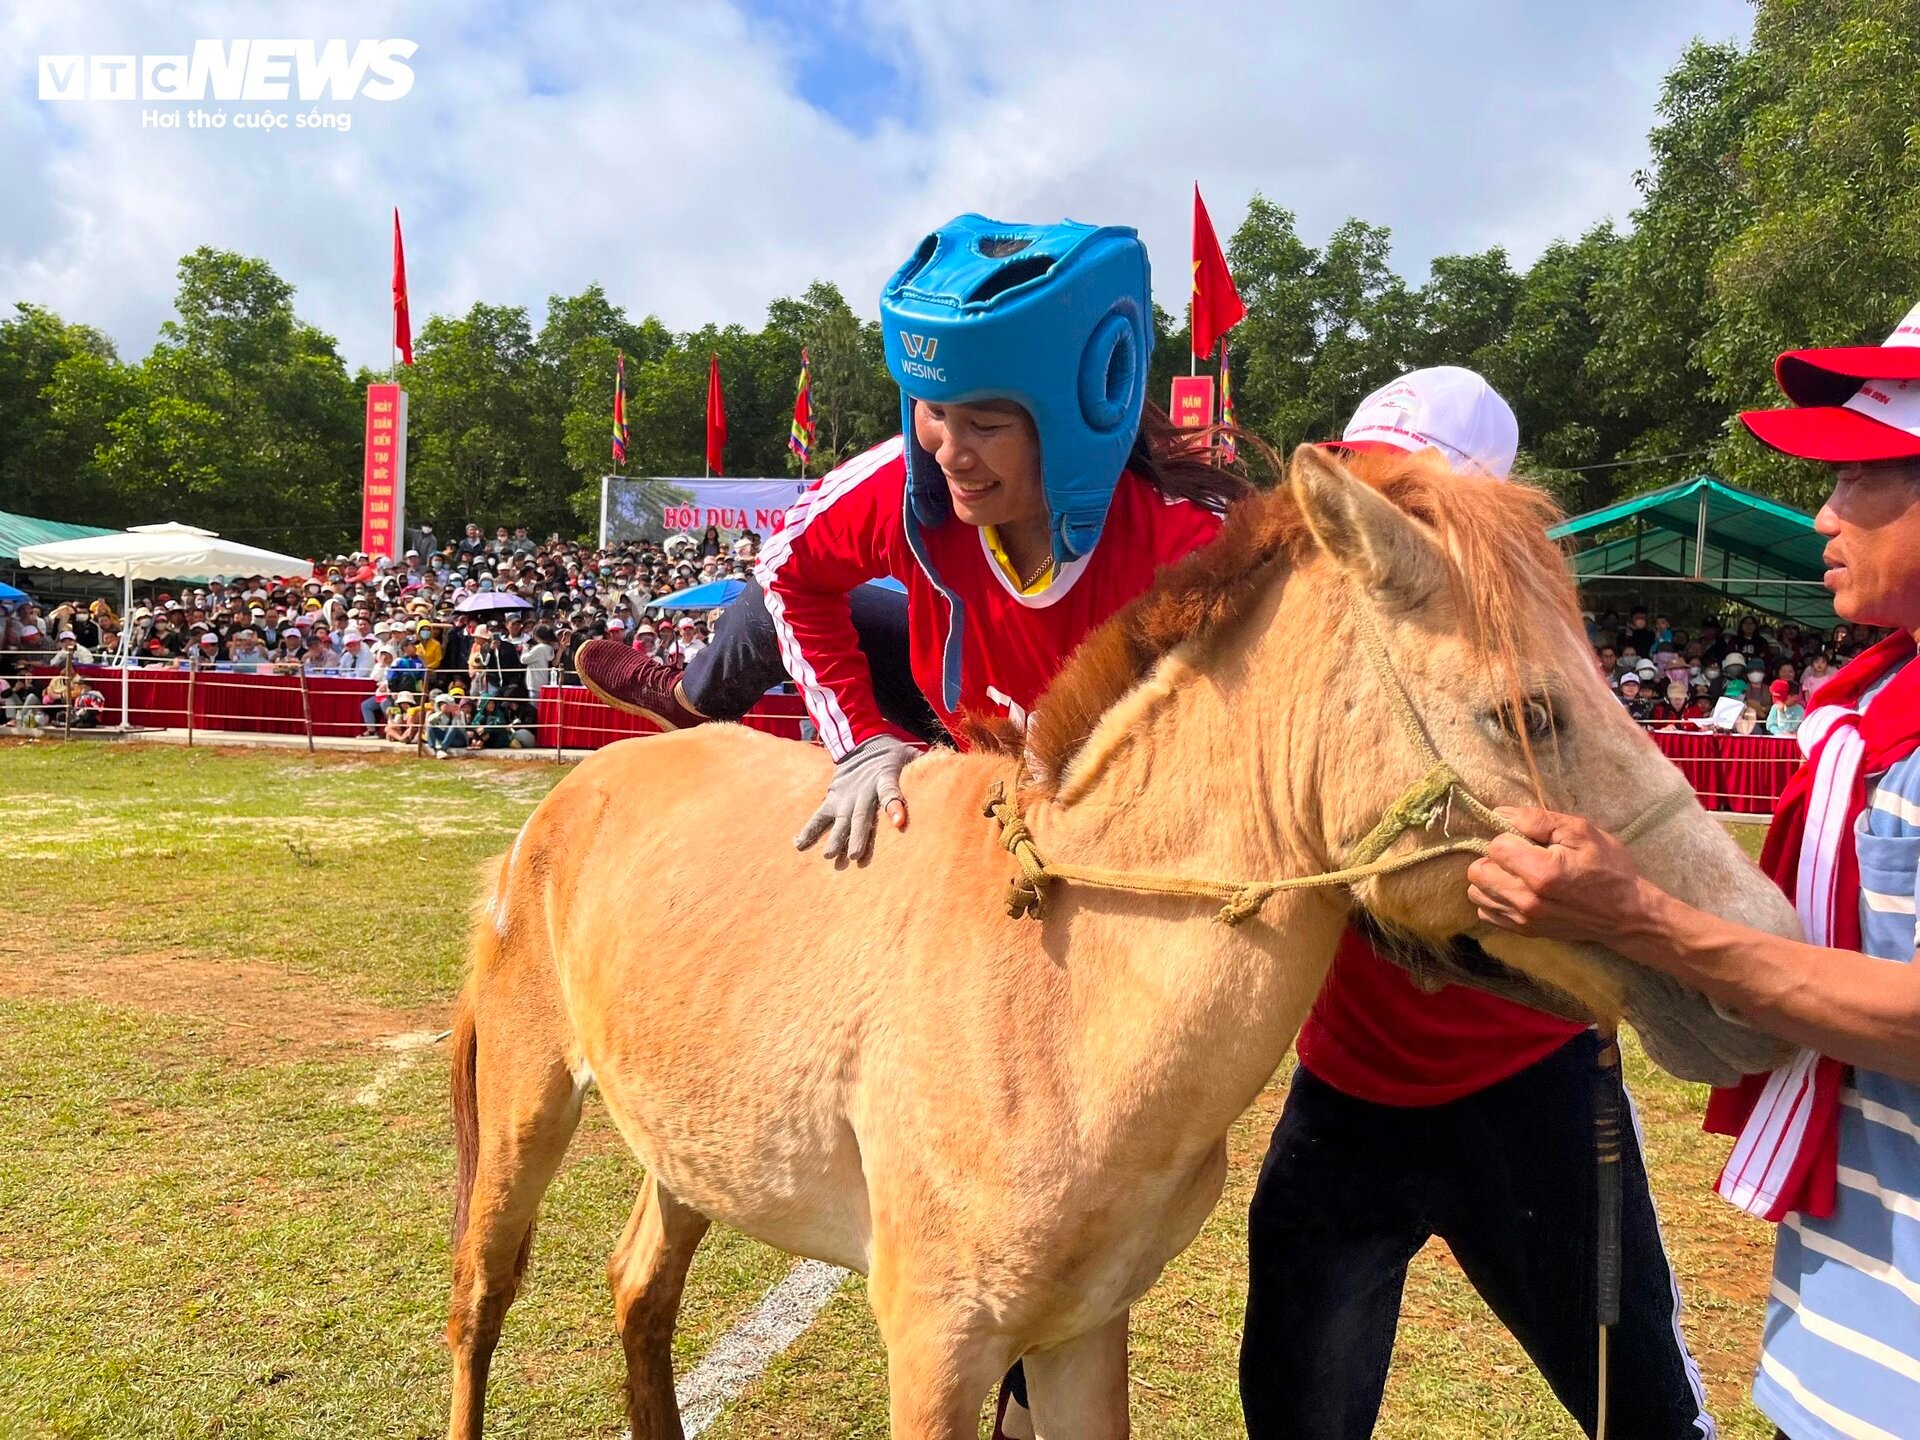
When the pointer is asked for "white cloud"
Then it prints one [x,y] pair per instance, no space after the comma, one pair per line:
[667,151]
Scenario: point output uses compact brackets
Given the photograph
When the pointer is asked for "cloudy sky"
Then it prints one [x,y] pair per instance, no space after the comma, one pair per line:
[700,159]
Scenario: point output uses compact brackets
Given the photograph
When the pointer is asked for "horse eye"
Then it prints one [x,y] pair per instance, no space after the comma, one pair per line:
[1534,718]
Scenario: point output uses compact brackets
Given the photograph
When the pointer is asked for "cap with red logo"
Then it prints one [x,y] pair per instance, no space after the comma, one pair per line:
[1445,407]
[1858,403]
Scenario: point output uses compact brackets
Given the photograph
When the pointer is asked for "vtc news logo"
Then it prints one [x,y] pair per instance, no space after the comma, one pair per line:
[240,70]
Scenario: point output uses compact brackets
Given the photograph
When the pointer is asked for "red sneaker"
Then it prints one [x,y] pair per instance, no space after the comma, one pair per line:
[630,681]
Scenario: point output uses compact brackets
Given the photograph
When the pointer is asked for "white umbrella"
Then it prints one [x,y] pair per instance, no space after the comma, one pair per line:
[159,552]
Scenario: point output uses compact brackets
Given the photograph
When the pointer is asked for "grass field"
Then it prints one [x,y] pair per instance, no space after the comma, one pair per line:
[225,1161]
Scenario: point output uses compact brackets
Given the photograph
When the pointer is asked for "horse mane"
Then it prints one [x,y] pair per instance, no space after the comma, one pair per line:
[1504,570]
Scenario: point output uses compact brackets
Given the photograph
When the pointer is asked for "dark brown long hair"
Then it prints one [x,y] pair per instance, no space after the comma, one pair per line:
[1188,464]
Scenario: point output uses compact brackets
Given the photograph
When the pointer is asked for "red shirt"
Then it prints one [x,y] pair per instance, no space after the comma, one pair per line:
[849,529]
[1375,1035]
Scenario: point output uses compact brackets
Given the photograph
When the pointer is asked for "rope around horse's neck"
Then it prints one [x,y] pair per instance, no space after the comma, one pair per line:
[1416,809]
[1243,899]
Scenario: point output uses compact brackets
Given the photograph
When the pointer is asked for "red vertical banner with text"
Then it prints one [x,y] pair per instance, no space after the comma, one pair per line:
[383,495]
[1192,407]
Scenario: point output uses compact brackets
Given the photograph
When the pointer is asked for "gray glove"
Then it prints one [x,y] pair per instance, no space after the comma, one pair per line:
[867,778]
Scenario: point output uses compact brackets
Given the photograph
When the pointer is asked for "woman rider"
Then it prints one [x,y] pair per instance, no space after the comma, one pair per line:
[1031,494]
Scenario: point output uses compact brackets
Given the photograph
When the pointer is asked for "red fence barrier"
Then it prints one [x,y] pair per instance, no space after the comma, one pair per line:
[585,722]
[1742,774]
[269,704]
[230,700]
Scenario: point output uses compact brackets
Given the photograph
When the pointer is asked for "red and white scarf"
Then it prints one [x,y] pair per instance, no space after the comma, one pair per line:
[1788,1121]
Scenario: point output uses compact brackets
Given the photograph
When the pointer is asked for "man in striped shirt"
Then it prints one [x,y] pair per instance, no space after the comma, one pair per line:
[1832,1148]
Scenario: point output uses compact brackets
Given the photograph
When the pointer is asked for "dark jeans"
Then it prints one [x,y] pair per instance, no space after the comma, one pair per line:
[1350,1190]
[742,661]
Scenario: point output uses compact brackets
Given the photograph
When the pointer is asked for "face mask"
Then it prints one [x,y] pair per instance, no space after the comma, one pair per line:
[1713,672]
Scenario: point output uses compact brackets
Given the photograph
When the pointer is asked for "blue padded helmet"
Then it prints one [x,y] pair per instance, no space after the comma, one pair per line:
[1054,317]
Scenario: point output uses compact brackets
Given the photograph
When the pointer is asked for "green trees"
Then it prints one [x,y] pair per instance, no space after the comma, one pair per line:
[242,418]
[58,384]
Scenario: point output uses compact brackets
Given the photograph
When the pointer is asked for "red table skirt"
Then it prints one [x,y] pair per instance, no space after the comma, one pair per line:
[1742,774]
[587,722]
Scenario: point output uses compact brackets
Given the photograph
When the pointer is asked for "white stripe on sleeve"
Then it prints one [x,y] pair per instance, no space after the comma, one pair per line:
[836,731]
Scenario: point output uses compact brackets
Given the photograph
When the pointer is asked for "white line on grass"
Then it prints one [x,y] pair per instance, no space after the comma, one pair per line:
[407,1050]
[742,1355]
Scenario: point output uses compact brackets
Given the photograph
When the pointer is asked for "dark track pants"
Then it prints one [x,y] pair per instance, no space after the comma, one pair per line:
[742,662]
[1351,1190]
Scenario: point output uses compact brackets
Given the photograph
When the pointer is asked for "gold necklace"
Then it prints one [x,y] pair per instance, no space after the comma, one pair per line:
[1046,564]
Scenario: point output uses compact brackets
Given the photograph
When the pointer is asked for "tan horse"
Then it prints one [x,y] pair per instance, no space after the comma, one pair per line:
[1011,1126]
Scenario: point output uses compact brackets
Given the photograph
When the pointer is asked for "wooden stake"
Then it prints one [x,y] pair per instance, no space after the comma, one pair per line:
[306,707]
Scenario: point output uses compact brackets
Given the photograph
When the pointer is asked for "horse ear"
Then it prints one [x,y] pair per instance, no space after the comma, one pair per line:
[1372,539]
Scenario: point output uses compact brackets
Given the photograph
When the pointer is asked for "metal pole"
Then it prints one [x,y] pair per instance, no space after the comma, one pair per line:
[126,651]
[1700,539]
[193,672]
[1607,1190]
[559,722]
[306,708]
[66,729]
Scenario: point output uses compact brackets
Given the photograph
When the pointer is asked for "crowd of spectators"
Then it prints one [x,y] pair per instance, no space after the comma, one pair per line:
[1670,678]
[457,679]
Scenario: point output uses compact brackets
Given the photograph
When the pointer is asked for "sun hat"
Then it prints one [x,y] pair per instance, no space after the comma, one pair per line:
[1858,403]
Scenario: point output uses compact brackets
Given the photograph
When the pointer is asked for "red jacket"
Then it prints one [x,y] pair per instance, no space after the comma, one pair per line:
[977,645]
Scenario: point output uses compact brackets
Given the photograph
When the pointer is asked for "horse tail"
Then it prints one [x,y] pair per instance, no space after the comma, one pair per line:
[466,1109]
[515,1106]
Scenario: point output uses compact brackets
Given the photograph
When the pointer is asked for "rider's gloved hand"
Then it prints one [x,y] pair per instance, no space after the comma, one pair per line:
[867,778]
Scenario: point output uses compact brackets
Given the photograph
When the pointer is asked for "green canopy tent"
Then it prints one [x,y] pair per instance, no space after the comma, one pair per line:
[1702,545]
[18,530]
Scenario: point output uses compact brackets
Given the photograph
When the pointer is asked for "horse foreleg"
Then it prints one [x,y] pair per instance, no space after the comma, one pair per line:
[648,1273]
[940,1364]
[1078,1391]
[528,1107]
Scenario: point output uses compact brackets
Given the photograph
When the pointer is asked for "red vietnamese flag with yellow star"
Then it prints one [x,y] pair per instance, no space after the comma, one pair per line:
[1216,304]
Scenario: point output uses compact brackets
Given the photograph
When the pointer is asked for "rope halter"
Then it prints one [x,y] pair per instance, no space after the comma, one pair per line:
[1417,808]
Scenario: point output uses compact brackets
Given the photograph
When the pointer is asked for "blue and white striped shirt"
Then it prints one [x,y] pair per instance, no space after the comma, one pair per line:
[1841,1356]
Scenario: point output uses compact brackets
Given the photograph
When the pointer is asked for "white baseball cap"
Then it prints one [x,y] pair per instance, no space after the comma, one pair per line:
[1449,408]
